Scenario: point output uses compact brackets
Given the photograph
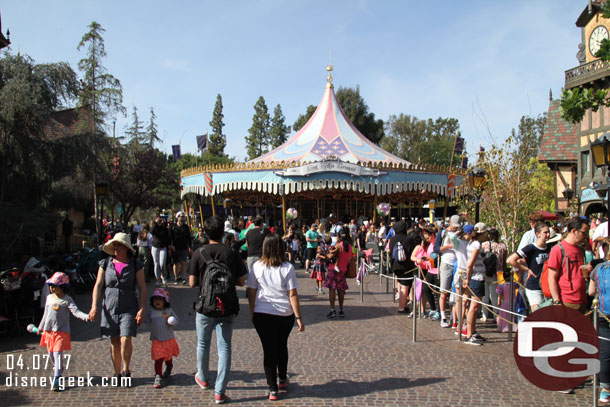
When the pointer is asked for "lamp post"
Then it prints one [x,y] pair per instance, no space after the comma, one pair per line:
[477,181]
[600,150]
[101,191]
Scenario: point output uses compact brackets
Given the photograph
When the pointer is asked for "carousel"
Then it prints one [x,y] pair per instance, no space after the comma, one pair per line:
[327,166]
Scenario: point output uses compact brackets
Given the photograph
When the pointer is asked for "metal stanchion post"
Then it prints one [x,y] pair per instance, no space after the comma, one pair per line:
[361,284]
[460,305]
[595,310]
[387,273]
[512,294]
[414,314]
[419,310]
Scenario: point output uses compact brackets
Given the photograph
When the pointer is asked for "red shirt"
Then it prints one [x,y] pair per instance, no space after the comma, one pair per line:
[572,286]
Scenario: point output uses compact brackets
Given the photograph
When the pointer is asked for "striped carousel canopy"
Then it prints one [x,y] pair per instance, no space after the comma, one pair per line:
[329,133]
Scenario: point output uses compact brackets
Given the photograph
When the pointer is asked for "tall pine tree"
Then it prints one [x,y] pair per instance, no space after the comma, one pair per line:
[217,141]
[101,92]
[258,139]
[278,133]
[135,132]
[152,133]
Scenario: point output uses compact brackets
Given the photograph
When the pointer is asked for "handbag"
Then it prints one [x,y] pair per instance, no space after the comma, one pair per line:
[351,268]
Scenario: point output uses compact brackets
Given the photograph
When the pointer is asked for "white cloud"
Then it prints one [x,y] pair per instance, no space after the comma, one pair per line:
[173,64]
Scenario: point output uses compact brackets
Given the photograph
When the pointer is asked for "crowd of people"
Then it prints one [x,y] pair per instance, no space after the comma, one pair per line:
[553,265]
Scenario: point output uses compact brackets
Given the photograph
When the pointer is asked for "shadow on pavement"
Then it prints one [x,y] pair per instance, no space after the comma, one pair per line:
[338,389]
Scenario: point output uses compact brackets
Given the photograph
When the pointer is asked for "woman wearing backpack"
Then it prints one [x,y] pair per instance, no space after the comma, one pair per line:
[530,260]
[403,269]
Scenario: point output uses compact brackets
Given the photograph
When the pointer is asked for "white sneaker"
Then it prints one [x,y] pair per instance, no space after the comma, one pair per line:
[445,324]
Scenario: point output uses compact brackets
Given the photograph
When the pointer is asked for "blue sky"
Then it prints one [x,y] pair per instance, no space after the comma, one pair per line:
[484,63]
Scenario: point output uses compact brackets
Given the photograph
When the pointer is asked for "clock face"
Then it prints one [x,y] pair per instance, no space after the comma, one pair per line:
[599,33]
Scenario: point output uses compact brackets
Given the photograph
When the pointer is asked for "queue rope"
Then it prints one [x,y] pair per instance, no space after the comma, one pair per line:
[470,298]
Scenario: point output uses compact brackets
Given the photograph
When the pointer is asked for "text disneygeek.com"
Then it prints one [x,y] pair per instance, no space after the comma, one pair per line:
[16,380]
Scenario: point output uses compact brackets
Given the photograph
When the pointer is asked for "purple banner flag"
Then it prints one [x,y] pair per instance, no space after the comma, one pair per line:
[202,142]
[176,152]
[465,162]
[459,146]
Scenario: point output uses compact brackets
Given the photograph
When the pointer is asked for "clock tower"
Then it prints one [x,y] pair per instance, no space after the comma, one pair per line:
[590,73]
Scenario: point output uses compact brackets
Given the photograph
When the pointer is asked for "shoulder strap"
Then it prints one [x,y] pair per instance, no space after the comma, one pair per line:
[206,256]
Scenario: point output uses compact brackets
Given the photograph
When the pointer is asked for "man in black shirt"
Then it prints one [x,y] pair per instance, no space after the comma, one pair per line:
[180,244]
[254,239]
[205,325]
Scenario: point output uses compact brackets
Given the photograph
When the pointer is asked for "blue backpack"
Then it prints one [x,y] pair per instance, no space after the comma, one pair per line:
[398,252]
[602,279]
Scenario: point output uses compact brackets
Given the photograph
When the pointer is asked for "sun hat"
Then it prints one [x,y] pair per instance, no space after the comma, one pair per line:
[468,229]
[161,293]
[481,227]
[455,221]
[121,238]
[58,278]
[554,236]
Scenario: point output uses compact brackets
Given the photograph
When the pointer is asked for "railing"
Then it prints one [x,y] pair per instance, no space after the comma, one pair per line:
[587,73]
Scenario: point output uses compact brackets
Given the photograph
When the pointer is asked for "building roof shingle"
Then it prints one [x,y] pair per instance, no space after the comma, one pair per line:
[560,138]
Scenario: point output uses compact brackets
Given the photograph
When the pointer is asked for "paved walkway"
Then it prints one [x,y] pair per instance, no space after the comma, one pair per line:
[365,359]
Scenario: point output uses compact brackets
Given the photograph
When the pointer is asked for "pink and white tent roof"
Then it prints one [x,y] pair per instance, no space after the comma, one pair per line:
[329,133]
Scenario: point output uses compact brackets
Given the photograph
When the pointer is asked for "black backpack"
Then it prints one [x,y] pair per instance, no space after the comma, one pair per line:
[490,260]
[217,296]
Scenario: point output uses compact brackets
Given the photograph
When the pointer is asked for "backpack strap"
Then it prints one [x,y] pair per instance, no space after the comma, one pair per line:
[206,256]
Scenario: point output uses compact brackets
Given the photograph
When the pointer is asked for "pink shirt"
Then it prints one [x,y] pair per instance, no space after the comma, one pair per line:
[119,266]
[426,264]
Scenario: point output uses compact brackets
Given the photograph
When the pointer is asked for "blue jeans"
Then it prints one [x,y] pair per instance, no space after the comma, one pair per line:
[224,331]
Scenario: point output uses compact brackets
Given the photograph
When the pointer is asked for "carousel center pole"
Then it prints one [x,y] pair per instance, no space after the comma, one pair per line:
[284,212]
[200,212]
[375,209]
[188,215]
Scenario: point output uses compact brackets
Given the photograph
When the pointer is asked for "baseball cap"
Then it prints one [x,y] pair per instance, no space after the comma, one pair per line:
[455,221]
[481,227]
[468,229]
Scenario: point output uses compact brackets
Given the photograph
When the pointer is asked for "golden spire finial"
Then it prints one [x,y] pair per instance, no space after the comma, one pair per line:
[329,68]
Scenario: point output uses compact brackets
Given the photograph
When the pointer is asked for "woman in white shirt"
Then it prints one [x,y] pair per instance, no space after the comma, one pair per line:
[474,285]
[274,305]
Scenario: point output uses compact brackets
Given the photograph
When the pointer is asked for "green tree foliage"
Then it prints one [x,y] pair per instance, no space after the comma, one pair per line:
[217,141]
[576,101]
[357,111]
[152,133]
[515,188]
[135,132]
[101,92]
[528,135]
[303,118]
[421,141]
[144,179]
[278,133]
[258,139]
[33,158]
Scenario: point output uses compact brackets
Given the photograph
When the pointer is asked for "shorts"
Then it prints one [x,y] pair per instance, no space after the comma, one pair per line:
[477,288]
[534,297]
[179,256]
[446,275]
[310,253]
[113,326]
